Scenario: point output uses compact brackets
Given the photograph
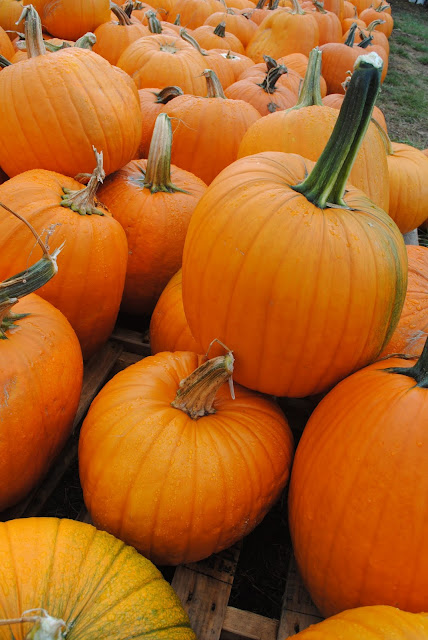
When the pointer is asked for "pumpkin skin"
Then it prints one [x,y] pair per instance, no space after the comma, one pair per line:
[37,135]
[265,102]
[169,330]
[254,287]
[92,265]
[299,63]
[164,499]
[41,365]
[338,58]
[155,225]
[369,623]
[151,103]
[113,38]
[412,329]
[370,14]
[236,23]
[6,47]
[334,100]
[103,575]
[408,184]
[10,12]
[207,39]
[193,13]
[71,19]
[357,503]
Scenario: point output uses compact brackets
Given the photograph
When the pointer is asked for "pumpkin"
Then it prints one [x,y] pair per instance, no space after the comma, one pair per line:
[236,23]
[357,500]
[217,38]
[349,10]
[369,623]
[193,13]
[171,426]
[370,14]
[335,100]
[265,96]
[6,47]
[169,330]
[10,11]
[329,25]
[89,287]
[198,147]
[92,585]
[114,37]
[70,19]
[264,248]
[298,62]
[151,103]
[315,122]
[235,63]
[336,6]
[412,329]
[378,37]
[164,60]
[58,133]
[284,32]
[41,368]
[288,79]
[153,202]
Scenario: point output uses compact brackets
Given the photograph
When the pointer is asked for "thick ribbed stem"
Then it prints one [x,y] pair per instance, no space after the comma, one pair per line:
[214,88]
[273,4]
[123,18]
[372,26]
[326,183]
[270,63]
[350,40]
[272,77]
[4,62]
[365,43]
[83,201]
[297,9]
[153,23]
[260,4]
[191,40]
[157,176]
[25,282]
[167,94]
[319,6]
[196,393]
[310,93]
[220,30]
[419,371]
[87,41]
[45,627]
[33,32]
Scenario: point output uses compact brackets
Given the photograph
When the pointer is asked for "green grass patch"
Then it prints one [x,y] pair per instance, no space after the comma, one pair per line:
[423,59]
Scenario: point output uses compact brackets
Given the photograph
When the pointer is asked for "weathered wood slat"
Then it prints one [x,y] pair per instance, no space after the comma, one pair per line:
[244,625]
[96,373]
[133,341]
[298,610]
[204,589]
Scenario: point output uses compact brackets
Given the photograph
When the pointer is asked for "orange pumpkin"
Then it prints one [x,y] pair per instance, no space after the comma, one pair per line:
[41,365]
[82,576]
[217,38]
[289,79]
[89,287]
[265,96]
[198,147]
[236,64]
[335,100]
[378,37]
[33,134]
[315,123]
[329,25]
[10,12]
[299,63]
[193,13]
[265,249]
[6,47]
[412,330]
[153,202]
[369,623]
[70,19]
[151,103]
[171,428]
[114,37]
[169,330]
[357,500]
[236,23]
[371,14]
[336,6]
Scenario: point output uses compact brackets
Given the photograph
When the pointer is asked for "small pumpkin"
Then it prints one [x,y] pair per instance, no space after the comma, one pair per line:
[114,37]
[217,38]
[236,23]
[171,427]
[70,19]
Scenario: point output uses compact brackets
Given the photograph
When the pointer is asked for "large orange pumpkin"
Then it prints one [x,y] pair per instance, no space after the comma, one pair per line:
[91,585]
[153,201]
[369,623]
[40,381]
[412,329]
[358,495]
[268,247]
[65,117]
[89,287]
[70,19]
[173,465]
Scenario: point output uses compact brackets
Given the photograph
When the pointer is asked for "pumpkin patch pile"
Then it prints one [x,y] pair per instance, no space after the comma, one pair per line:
[220,170]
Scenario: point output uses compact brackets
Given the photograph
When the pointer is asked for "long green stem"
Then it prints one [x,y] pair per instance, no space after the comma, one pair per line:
[310,93]
[419,371]
[123,18]
[326,183]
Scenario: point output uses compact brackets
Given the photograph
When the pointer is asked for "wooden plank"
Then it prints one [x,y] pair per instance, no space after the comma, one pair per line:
[298,610]
[125,360]
[96,373]
[134,341]
[204,589]
[244,625]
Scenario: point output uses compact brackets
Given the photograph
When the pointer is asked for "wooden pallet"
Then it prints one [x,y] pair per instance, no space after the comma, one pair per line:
[203,587]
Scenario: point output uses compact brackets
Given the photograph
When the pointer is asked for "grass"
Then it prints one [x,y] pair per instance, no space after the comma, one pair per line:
[404,95]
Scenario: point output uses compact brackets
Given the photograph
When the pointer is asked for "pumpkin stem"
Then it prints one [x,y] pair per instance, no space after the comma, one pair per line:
[310,94]
[33,32]
[25,282]
[260,4]
[83,201]
[153,22]
[365,43]
[372,26]
[273,4]
[157,176]
[177,20]
[214,88]
[4,62]
[121,15]
[272,77]
[45,626]
[385,138]
[220,30]
[87,41]
[319,6]
[196,393]
[191,40]
[167,94]
[419,371]
[297,9]
[381,7]
[350,40]
[326,183]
